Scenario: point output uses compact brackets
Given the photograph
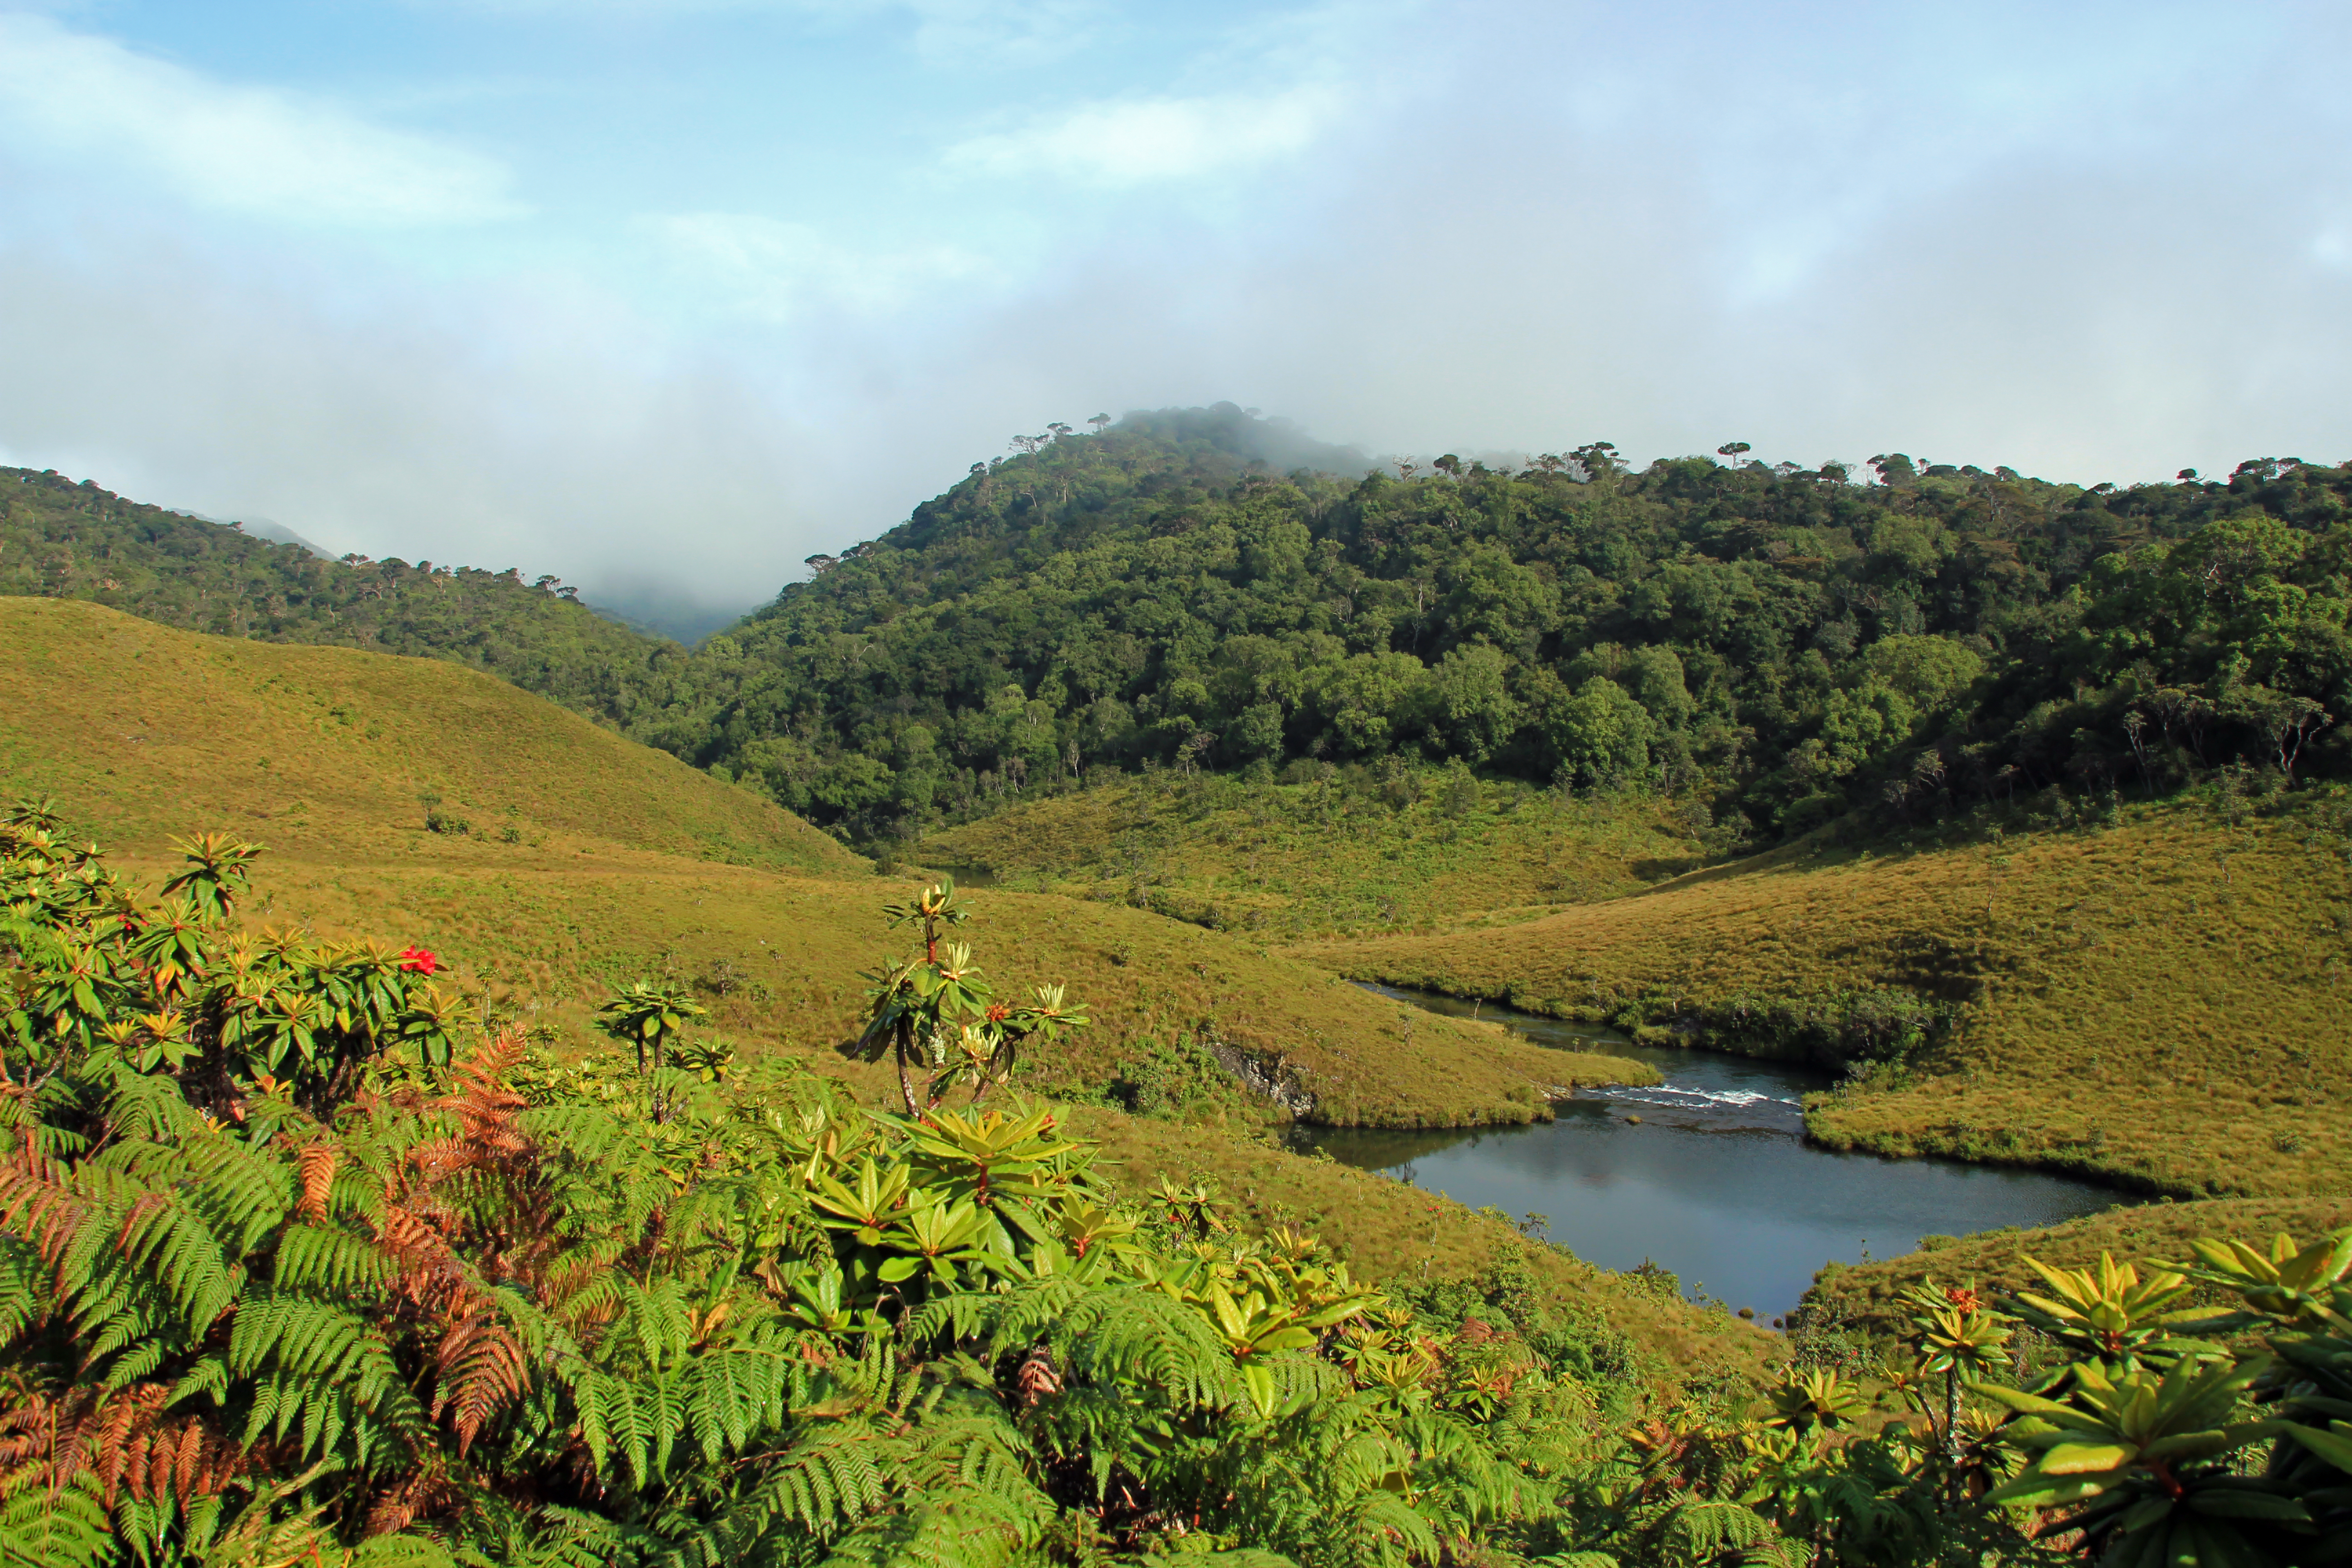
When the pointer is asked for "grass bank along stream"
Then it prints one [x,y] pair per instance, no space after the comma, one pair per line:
[2156,999]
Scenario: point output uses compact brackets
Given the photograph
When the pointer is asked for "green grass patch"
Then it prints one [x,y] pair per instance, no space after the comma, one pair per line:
[1349,851]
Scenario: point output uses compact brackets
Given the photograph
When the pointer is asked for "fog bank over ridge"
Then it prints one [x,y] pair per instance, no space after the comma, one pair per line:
[663,339]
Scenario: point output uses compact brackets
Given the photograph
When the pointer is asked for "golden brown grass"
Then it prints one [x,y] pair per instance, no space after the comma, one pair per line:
[2160,1002]
[145,731]
[616,868]
[779,958]
[1287,862]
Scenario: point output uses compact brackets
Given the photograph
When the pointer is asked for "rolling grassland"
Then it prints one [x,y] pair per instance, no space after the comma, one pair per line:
[1434,850]
[589,861]
[619,867]
[2159,1000]
[326,752]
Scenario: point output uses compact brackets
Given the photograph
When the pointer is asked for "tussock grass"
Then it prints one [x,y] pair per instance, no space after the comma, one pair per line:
[2160,1000]
[1437,849]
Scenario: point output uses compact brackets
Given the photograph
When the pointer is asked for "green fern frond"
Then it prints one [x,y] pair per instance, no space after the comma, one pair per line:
[65,1526]
[314,1258]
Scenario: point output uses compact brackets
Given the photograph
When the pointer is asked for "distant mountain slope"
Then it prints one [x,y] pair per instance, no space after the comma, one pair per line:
[64,541]
[1780,643]
[329,750]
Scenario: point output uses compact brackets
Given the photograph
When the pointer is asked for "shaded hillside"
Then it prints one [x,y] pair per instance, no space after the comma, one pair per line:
[2159,999]
[1782,644]
[64,541]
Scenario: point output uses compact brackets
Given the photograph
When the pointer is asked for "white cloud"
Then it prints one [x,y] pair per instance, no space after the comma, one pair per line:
[777,271]
[1137,141]
[248,149]
[1004,32]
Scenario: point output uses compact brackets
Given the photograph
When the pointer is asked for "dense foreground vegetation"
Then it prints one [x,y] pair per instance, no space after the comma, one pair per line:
[302,1259]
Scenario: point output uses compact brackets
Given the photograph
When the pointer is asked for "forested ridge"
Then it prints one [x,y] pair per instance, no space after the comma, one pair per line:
[1783,643]
[67,541]
[1203,589]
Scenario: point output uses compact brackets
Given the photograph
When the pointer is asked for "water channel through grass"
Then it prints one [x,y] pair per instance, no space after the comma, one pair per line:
[1708,1176]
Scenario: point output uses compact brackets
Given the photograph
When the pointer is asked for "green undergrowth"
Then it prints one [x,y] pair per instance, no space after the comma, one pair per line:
[1331,850]
[2152,994]
[1861,1304]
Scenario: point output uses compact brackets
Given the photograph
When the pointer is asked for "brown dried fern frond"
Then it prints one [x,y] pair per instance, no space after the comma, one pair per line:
[316,1164]
[429,1491]
[481,1369]
[123,1438]
[36,1202]
[484,1107]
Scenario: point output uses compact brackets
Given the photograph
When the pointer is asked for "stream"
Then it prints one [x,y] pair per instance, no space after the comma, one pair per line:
[1708,1175]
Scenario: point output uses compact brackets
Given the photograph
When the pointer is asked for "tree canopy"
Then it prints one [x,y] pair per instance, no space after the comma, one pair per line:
[1787,641]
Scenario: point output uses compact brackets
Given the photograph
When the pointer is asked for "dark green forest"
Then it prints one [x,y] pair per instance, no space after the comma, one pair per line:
[67,541]
[1787,643]
[1201,589]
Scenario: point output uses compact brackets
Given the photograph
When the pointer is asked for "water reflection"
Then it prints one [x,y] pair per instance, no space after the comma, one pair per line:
[1708,1175]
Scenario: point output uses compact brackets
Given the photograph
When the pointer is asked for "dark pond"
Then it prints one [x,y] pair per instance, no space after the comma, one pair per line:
[1715,1181]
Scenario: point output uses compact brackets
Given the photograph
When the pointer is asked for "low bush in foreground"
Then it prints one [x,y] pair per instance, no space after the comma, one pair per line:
[301,1262]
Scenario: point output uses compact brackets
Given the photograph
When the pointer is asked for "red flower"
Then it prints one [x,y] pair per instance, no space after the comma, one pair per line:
[1965,1301]
[418,960]
[999,1013]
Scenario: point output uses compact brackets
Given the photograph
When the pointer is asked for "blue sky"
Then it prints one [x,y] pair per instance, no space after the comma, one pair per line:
[664,296]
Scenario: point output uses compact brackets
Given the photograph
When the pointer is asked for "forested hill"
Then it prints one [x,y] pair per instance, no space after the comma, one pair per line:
[67,541]
[1786,642]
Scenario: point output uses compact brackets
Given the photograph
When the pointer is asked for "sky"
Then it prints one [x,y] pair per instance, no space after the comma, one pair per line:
[663,296]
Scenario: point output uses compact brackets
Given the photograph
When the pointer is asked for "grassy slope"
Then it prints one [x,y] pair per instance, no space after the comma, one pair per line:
[146,731]
[557,936]
[617,867]
[2160,1002]
[324,750]
[1292,861]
